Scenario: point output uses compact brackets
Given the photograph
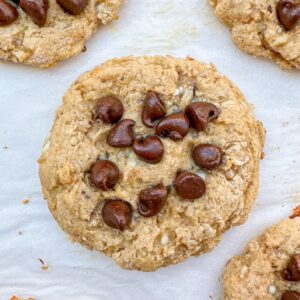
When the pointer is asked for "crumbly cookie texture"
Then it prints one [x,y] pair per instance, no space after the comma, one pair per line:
[257,273]
[182,228]
[63,36]
[255,29]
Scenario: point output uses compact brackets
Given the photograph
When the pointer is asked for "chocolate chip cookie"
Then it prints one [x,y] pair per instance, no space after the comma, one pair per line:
[267,28]
[269,268]
[44,32]
[151,159]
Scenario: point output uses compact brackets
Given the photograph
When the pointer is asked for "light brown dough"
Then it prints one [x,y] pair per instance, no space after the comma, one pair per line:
[255,29]
[256,274]
[63,35]
[182,228]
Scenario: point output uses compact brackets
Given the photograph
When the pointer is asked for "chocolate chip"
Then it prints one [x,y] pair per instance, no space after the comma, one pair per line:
[207,156]
[189,185]
[121,135]
[288,13]
[104,174]
[292,272]
[153,109]
[152,200]
[290,295]
[109,109]
[117,213]
[73,7]
[200,113]
[149,149]
[8,13]
[175,126]
[36,9]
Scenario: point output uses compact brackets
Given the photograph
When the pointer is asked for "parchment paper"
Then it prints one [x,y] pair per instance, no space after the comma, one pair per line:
[28,100]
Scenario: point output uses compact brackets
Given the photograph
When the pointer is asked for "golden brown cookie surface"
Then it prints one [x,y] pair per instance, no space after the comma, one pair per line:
[269,268]
[175,206]
[63,35]
[266,28]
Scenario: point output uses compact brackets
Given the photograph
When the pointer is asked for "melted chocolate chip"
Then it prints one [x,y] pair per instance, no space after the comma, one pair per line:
[73,7]
[207,156]
[189,185]
[200,113]
[121,135]
[36,9]
[104,174]
[8,13]
[292,272]
[290,295]
[153,109]
[149,149]
[175,126]
[117,213]
[151,201]
[109,109]
[288,13]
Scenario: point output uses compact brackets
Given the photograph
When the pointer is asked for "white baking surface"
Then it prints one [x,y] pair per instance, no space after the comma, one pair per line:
[28,100]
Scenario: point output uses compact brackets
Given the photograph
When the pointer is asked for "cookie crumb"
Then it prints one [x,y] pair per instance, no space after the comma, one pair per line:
[20,232]
[42,262]
[285,124]
[25,201]
[17,298]
[272,289]
[5,147]
[296,212]
[44,266]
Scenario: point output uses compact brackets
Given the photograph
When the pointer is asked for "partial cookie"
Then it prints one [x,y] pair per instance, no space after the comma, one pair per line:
[268,28]
[151,159]
[269,268]
[44,32]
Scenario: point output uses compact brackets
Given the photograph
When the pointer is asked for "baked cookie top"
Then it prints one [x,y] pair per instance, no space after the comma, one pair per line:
[269,268]
[268,28]
[44,32]
[151,159]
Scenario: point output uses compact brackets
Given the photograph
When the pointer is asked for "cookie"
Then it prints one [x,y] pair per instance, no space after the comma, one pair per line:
[151,159]
[267,28]
[44,32]
[269,268]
